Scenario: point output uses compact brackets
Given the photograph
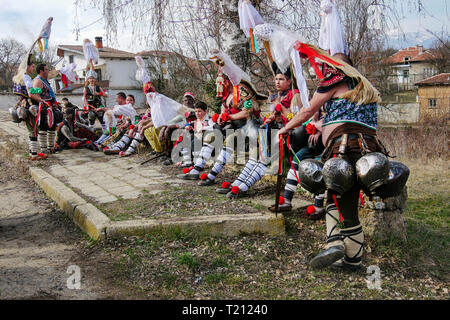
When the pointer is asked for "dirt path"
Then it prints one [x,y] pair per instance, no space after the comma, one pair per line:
[38,243]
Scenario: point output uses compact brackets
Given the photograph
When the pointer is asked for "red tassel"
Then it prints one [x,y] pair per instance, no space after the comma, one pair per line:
[281,201]
[204,176]
[186,170]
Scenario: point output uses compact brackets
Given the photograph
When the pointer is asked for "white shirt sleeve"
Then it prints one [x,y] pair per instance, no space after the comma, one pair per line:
[27,80]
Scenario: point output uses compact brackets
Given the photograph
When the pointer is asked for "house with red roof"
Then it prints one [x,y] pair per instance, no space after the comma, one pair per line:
[411,65]
[116,69]
[434,97]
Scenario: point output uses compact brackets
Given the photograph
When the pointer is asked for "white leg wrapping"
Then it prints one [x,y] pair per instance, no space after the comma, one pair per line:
[354,243]
[221,160]
[334,236]
[205,155]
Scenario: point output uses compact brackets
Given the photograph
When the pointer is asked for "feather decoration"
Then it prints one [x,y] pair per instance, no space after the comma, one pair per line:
[90,53]
[249,18]
[45,34]
[141,73]
[331,37]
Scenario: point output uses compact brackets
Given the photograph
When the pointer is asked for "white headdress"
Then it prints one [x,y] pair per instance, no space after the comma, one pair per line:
[332,37]
[282,50]
[91,74]
[90,53]
[141,73]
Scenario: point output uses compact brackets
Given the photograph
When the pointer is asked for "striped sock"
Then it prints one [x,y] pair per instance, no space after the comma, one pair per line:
[221,160]
[251,163]
[291,184]
[51,135]
[33,145]
[205,155]
[42,138]
[121,144]
[255,175]
[134,144]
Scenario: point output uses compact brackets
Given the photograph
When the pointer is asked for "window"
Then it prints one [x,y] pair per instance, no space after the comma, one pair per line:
[99,74]
[432,103]
[406,74]
[406,60]
[71,59]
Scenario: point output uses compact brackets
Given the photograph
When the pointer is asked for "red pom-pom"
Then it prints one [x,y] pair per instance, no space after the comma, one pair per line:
[215,117]
[310,210]
[203,176]
[225,117]
[180,138]
[131,127]
[87,142]
[281,200]
[311,129]
[226,185]
[186,170]
[278,108]
[235,190]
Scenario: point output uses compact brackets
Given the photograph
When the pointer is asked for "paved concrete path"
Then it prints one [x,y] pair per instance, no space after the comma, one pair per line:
[96,175]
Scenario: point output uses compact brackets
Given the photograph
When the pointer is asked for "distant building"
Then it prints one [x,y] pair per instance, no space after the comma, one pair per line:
[116,69]
[434,97]
[411,65]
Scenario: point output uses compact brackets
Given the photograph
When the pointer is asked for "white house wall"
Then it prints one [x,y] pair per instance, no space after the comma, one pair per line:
[121,74]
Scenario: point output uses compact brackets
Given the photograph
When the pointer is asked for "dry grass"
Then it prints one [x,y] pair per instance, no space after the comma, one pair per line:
[426,141]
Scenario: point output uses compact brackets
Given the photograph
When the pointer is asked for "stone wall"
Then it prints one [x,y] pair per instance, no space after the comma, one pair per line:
[405,113]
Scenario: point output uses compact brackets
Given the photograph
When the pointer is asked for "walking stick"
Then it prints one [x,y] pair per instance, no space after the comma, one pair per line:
[153,158]
[279,177]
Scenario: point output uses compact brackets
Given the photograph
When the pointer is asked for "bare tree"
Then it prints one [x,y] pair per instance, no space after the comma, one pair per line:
[190,28]
[11,54]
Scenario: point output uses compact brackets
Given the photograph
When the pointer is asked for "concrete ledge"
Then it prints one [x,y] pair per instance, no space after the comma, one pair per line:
[91,220]
[225,225]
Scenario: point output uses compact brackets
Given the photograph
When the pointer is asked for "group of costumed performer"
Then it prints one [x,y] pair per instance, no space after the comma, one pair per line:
[37,103]
[240,111]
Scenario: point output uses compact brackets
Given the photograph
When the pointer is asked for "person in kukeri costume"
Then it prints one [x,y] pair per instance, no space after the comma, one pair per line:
[244,116]
[49,113]
[26,110]
[255,169]
[93,93]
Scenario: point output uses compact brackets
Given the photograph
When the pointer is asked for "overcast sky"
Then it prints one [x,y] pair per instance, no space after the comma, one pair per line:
[23,19]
